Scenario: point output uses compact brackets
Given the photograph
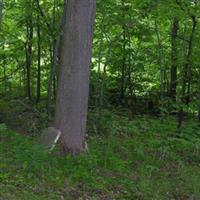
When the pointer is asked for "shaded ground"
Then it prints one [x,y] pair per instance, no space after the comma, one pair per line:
[140,159]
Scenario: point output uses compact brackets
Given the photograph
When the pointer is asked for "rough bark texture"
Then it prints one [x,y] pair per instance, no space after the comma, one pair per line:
[73,86]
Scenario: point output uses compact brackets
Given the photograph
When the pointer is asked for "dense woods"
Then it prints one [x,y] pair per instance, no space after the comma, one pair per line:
[119,79]
[145,54]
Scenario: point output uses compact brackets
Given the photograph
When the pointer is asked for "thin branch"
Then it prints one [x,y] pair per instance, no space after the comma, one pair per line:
[44,17]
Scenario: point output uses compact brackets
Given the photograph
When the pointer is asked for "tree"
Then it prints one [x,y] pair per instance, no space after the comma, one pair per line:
[29,48]
[123,63]
[1,10]
[185,98]
[39,59]
[145,55]
[173,81]
[73,86]
[160,61]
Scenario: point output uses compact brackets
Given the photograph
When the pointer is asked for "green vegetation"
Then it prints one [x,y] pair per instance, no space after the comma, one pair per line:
[130,159]
[143,119]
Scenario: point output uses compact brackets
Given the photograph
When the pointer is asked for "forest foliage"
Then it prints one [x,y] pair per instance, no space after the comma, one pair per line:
[143,126]
[138,62]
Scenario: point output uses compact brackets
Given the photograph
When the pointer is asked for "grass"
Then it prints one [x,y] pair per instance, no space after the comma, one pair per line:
[144,158]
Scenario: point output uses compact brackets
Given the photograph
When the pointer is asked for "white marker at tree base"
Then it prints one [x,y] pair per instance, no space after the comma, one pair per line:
[50,137]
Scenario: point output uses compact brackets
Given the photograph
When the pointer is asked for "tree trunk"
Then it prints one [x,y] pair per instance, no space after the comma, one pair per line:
[103,83]
[160,61]
[1,11]
[199,107]
[198,97]
[39,61]
[174,58]
[55,57]
[28,50]
[123,64]
[73,86]
[98,91]
[4,77]
[187,73]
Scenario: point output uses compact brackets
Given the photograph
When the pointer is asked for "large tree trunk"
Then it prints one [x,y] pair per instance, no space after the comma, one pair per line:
[174,57]
[73,86]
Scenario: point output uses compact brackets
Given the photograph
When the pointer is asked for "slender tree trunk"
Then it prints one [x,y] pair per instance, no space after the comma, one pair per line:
[39,61]
[198,97]
[73,87]
[187,73]
[174,59]
[160,63]
[4,74]
[123,64]
[199,105]
[53,53]
[132,96]
[129,68]
[55,59]
[28,50]
[54,86]
[1,12]
[123,70]
[5,78]
[103,83]
[98,91]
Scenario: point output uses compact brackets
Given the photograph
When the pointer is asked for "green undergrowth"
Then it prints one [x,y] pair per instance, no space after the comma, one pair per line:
[144,158]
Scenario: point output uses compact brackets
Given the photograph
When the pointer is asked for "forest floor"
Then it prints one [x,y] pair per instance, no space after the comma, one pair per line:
[144,158]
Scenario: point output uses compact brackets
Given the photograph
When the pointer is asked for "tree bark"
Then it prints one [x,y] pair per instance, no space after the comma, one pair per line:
[73,85]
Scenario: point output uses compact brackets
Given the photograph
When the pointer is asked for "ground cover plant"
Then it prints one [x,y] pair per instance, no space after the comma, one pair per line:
[136,159]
